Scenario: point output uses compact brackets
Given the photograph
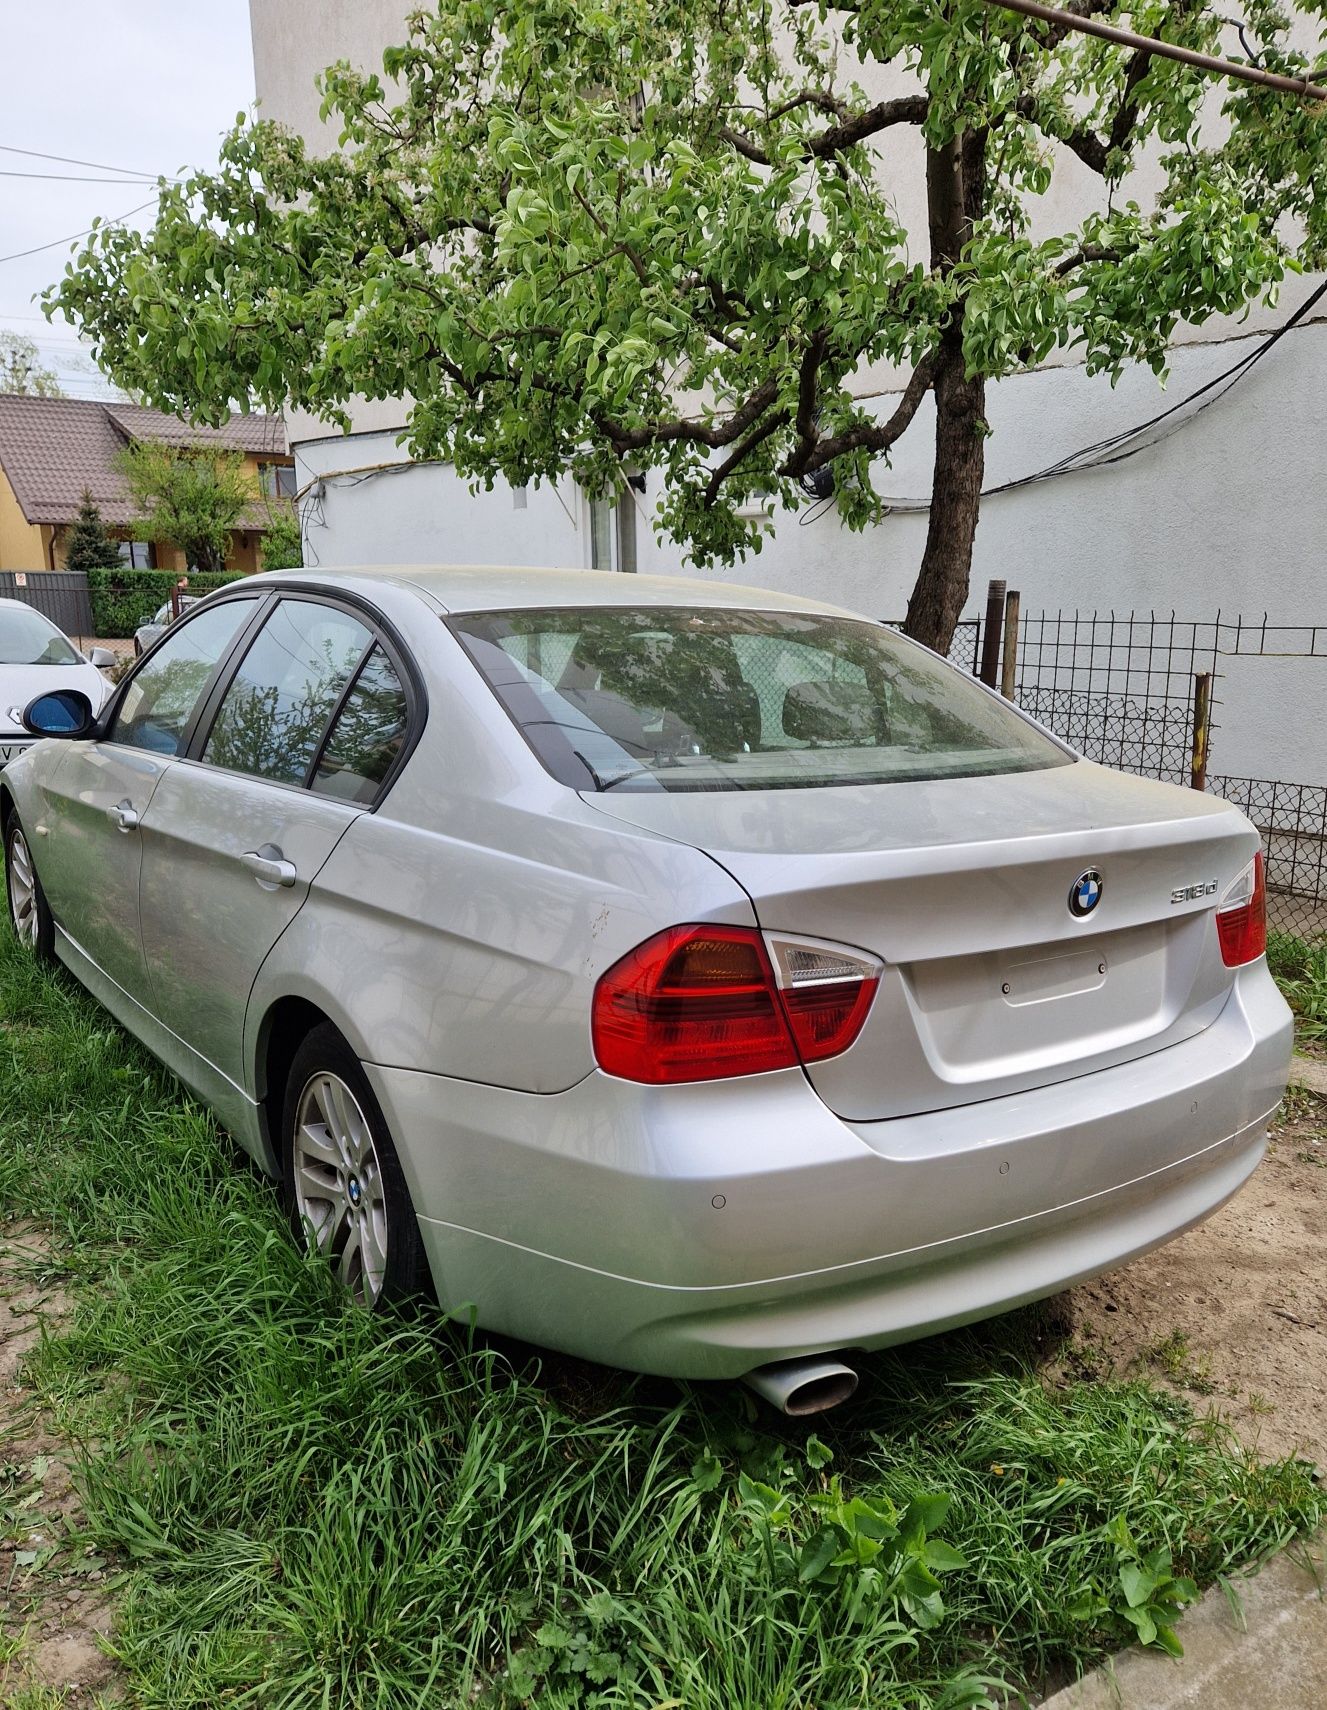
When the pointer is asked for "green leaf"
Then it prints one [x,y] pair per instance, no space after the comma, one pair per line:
[1138,1585]
[707,1472]
[942,1557]
[1142,1620]
[817,1553]
[817,1453]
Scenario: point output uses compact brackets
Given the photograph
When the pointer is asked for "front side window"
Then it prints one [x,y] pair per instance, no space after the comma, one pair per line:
[367,736]
[28,638]
[159,704]
[272,717]
[682,699]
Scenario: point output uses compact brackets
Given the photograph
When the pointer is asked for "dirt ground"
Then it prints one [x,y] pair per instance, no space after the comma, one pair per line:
[1233,1314]
[55,1606]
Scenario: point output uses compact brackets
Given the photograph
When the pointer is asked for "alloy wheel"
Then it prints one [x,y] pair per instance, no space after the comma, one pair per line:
[338,1187]
[22,891]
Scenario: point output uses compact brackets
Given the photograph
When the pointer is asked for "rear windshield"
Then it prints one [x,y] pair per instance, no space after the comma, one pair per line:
[662,698]
[27,638]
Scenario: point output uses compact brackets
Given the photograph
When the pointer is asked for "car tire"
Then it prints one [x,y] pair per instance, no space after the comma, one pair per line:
[29,914]
[341,1178]
[138,648]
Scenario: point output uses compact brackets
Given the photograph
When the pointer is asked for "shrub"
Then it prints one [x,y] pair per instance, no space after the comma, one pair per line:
[123,598]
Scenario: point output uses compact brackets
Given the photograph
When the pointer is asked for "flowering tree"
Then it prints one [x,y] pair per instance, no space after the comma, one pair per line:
[660,234]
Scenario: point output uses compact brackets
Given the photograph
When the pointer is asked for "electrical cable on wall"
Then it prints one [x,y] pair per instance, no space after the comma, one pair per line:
[1115,448]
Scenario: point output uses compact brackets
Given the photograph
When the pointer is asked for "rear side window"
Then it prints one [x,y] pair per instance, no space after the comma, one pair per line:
[272,717]
[705,698]
[367,736]
[159,704]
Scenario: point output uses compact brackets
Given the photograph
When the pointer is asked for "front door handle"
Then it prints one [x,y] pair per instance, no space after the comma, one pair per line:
[270,867]
[125,815]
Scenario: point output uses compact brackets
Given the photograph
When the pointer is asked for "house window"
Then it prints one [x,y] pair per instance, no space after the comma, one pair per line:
[613,534]
[277,480]
[135,554]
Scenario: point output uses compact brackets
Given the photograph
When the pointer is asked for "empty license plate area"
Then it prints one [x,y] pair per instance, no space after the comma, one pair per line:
[1060,975]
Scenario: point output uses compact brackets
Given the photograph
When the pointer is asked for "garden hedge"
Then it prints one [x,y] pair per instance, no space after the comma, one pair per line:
[123,598]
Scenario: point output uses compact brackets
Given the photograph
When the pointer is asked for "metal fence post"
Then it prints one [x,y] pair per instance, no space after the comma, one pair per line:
[990,641]
[1202,727]
[1009,662]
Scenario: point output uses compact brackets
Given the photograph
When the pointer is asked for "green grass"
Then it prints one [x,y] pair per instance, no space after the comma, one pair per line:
[1300,968]
[319,1509]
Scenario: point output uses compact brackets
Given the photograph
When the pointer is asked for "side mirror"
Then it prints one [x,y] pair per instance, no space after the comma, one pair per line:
[63,712]
[102,658]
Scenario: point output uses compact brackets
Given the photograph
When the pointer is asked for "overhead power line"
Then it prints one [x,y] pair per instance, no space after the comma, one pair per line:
[73,237]
[73,177]
[71,160]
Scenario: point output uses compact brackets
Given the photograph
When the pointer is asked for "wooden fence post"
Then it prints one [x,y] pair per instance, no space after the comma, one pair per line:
[1202,729]
[1009,662]
[990,640]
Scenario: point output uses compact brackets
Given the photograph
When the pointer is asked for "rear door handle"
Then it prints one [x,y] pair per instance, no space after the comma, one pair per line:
[125,815]
[270,867]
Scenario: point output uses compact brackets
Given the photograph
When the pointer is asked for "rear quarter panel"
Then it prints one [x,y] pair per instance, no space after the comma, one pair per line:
[462,926]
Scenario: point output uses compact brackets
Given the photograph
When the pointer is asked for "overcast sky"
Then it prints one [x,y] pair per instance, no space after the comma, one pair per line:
[145,84]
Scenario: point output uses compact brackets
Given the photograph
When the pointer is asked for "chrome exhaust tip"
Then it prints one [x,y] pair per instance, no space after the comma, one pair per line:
[802,1387]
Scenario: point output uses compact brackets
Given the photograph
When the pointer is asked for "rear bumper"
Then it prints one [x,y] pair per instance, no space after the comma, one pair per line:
[701,1231]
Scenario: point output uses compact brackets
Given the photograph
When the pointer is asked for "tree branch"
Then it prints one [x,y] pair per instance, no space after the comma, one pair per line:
[1089,252]
[904,110]
[1094,150]
[757,435]
[808,383]
[624,439]
[876,436]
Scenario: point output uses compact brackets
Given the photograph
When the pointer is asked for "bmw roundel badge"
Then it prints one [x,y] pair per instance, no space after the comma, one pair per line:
[1085,892]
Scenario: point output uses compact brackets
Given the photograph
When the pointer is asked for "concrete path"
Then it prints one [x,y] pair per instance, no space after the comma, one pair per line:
[1271,1656]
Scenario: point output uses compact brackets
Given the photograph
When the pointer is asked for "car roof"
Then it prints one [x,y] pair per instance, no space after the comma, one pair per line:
[482,587]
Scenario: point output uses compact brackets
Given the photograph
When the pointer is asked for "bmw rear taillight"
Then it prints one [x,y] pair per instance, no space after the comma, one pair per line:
[1241,917]
[698,1003]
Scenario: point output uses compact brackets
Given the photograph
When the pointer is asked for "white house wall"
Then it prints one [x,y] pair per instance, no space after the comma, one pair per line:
[1228,514]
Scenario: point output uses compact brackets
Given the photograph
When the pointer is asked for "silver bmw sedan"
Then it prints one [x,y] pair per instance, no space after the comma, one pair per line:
[693,978]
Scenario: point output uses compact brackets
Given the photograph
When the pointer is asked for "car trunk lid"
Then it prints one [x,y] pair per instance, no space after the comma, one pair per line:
[992,983]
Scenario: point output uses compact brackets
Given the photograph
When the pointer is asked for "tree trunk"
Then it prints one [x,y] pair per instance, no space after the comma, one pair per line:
[941,588]
[955,194]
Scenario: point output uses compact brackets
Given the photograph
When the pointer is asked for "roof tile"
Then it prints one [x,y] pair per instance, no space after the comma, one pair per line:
[53,449]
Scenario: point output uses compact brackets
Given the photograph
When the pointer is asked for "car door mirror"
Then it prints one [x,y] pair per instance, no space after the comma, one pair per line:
[63,712]
[102,658]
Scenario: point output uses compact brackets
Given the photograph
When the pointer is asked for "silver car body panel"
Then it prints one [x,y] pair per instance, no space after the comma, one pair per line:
[705,1230]
[975,1147]
[961,885]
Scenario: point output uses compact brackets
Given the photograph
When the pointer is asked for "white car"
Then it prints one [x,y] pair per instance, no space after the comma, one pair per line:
[36,657]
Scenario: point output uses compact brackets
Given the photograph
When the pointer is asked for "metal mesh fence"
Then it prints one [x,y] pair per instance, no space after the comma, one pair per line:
[1293,821]
[1119,687]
